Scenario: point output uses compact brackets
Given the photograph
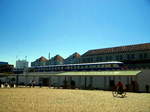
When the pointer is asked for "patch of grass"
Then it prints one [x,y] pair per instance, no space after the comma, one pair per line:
[59,100]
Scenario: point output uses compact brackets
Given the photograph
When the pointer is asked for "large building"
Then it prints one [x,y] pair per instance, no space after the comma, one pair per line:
[5,67]
[42,61]
[74,58]
[134,56]
[21,64]
[135,74]
[56,60]
[3,63]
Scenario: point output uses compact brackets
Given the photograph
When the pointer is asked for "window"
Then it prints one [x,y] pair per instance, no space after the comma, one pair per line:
[68,67]
[115,65]
[86,66]
[97,58]
[141,56]
[119,57]
[132,56]
[99,66]
[100,59]
[71,67]
[145,55]
[78,67]
[102,66]
[108,66]
[108,58]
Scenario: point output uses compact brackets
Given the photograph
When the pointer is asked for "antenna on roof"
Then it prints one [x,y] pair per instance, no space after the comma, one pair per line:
[16,57]
[49,56]
[26,58]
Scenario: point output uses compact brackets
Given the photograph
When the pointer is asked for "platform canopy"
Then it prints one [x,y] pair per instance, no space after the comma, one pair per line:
[87,73]
[100,73]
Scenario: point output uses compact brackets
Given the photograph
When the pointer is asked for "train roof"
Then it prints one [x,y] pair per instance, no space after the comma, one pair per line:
[97,63]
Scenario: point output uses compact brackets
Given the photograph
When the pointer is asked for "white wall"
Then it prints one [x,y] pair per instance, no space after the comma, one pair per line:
[143,79]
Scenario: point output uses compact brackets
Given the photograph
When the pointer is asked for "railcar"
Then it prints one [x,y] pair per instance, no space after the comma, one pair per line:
[80,67]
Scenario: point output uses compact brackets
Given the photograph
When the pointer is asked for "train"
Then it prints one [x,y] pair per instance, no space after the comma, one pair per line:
[115,65]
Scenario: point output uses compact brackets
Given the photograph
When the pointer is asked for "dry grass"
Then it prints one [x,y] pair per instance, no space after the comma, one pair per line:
[58,100]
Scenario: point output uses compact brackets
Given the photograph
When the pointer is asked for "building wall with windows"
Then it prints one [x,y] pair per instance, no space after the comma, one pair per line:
[5,67]
[21,64]
[132,55]
[106,82]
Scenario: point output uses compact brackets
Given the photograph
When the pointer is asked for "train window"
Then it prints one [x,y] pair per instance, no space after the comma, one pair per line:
[82,66]
[78,67]
[46,69]
[52,68]
[71,67]
[74,67]
[115,65]
[93,66]
[102,66]
[90,66]
[58,68]
[108,66]
[86,66]
[61,68]
[111,65]
[99,66]
[68,67]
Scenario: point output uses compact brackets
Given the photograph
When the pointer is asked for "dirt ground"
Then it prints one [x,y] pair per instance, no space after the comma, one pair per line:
[60,100]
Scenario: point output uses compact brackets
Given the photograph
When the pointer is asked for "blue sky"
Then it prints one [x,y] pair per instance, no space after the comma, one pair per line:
[33,28]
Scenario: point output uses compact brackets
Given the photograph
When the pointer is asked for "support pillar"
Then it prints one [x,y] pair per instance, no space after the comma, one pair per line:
[85,82]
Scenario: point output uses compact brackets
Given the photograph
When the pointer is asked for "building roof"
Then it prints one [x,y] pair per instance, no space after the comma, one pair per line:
[58,58]
[3,63]
[42,59]
[129,48]
[74,55]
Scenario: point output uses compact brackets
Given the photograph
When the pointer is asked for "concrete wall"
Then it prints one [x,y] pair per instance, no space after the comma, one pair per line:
[143,79]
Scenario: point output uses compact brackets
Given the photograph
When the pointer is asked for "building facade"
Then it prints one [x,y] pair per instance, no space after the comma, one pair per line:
[72,59]
[134,56]
[56,60]
[5,67]
[134,80]
[42,61]
[3,63]
[22,64]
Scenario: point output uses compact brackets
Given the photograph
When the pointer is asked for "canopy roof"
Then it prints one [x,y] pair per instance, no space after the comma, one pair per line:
[101,73]
[89,73]
[82,73]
